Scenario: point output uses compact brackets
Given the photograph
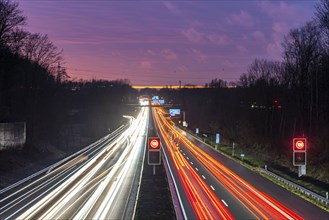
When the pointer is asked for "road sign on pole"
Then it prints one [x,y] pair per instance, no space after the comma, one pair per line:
[299,146]
[154,153]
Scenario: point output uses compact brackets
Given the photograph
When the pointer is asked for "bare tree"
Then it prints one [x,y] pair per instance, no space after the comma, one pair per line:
[15,42]
[302,53]
[10,19]
[243,81]
[263,73]
[38,48]
[217,83]
[322,16]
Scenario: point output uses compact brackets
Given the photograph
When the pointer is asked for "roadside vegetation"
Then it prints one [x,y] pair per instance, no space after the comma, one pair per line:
[273,102]
[62,114]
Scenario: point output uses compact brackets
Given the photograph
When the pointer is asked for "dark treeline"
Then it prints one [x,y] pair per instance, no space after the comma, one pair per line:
[273,101]
[53,109]
[34,88]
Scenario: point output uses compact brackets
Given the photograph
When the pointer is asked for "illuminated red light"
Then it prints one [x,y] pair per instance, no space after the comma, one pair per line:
[154,143]
[299,144]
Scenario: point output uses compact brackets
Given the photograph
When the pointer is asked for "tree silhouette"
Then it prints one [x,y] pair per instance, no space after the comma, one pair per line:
[11,19]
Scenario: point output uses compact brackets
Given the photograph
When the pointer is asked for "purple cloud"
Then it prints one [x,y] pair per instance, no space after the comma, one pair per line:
[168,54]
[199,56]
[193,35]
[171,7]
[243,19]
[155,42]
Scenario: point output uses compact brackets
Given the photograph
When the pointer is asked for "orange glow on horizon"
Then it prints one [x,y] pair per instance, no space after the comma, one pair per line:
[168,87]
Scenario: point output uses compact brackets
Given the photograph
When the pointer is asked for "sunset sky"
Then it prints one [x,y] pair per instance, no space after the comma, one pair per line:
[162,42]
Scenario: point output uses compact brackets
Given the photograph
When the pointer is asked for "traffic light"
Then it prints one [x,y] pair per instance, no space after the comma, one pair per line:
[299,145]
[299,159]
[154,143]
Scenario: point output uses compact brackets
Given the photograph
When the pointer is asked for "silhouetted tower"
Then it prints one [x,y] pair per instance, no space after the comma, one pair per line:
[180,84]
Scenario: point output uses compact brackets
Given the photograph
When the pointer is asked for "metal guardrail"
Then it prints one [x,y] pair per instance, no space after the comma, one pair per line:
[303,190]
[52,166]
[307,192]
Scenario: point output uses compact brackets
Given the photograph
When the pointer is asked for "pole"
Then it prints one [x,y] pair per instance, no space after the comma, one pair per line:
[299,171]
[183,116]
[233,150]
[153,169]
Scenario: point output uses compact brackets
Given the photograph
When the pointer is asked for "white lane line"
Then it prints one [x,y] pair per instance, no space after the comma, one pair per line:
[196,169]
[203,177]
[175,185]
[191,162]
[187,158]
[212,187]
[224,203]
[184,154]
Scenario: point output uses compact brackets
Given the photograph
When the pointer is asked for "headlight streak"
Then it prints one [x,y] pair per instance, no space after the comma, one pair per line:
[258,203]
[202,199]
[51,167]
[16,201]
[110,194]
[85,191]
[70,189]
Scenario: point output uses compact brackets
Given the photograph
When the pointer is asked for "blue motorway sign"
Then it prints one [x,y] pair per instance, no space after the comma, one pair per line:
[174,112]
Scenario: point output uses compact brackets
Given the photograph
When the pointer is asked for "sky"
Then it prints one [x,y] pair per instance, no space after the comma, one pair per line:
[164,42]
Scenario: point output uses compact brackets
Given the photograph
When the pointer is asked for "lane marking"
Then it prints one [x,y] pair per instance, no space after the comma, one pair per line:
[196,169]
[191,162]
[187,158]
[184,154]
[224,203]
[203,177]
[212,187]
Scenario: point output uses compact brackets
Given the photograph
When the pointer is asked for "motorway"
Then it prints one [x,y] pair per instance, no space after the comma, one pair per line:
[99,182]
[210,186]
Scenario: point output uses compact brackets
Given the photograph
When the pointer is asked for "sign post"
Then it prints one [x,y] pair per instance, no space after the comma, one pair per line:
[299,155]
[217,138]
[154,152]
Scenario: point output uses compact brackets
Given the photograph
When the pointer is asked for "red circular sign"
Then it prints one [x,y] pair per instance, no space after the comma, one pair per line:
[154,144]
[300,145]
